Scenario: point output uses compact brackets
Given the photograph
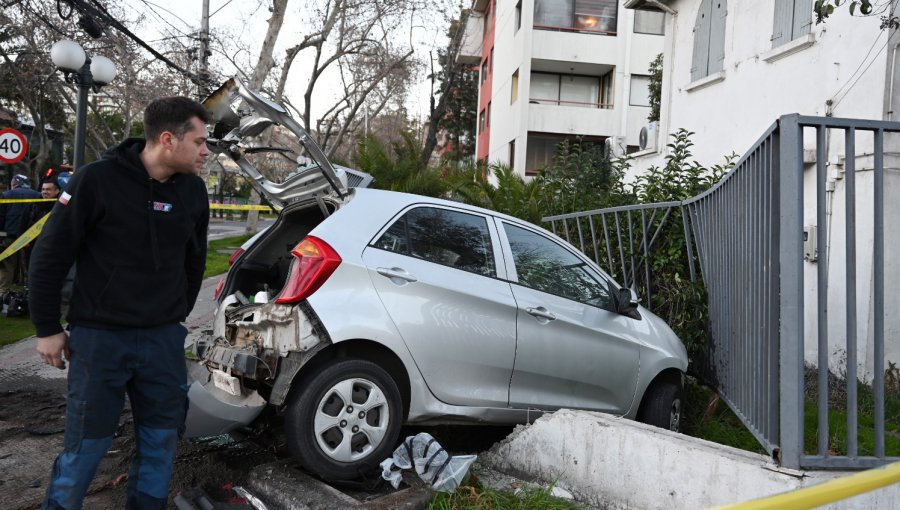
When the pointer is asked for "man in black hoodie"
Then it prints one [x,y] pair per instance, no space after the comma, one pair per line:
[135,225]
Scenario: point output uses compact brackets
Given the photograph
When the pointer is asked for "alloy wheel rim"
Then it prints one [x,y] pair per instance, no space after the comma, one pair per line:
[351,419]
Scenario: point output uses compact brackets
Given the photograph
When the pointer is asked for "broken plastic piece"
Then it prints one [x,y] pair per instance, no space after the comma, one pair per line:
[253,500]
[432,463]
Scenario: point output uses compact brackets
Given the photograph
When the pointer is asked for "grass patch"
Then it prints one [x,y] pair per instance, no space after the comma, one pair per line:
[707,417]
[13,329]
[837,415]
[217,262]
[473,496]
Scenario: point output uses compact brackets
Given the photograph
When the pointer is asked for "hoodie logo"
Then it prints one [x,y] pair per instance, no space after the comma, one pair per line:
[162,207]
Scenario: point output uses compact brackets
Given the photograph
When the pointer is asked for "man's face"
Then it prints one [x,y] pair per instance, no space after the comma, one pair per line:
[189,154]
[49,190]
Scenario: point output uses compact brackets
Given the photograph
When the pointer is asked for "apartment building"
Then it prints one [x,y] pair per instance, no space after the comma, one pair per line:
[552,70]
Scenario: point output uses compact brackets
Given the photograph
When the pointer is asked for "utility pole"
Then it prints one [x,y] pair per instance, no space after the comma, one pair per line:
[204,51]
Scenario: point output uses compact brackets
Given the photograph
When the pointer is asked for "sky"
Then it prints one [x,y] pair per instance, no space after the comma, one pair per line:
[248,22]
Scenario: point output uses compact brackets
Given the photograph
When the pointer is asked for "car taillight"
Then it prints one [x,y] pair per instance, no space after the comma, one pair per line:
[315,261]
[234,256]
[219,287]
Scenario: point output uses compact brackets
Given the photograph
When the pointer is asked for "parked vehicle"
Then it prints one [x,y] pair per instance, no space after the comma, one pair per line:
[360,310]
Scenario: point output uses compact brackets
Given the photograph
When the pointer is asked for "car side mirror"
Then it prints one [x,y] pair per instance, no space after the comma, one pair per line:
[627,301]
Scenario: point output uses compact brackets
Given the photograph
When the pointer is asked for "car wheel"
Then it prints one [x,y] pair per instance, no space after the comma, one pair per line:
[663,406]
[344,419]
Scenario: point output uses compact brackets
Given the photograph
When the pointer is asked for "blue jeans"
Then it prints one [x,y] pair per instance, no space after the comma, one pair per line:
[148,365]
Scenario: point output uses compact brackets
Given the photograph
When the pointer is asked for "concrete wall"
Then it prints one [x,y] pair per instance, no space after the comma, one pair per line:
[619,464]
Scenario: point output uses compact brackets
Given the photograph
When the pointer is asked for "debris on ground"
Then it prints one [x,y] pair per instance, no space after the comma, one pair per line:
[434,465]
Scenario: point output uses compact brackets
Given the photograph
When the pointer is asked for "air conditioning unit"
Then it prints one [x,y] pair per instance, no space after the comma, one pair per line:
[648,136]
[615,147]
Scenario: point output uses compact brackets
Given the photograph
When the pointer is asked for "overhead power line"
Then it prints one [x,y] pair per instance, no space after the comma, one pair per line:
[128,33]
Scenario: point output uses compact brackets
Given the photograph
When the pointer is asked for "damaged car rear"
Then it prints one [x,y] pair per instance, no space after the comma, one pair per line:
[360,310]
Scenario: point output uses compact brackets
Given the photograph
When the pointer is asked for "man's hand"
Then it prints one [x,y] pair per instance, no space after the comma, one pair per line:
[52,348]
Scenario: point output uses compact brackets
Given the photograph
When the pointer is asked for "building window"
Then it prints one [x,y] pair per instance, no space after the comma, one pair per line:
[793,19]
[518,15]
[541,148]
[487,115]
[709,39]
[640,90]
[481,122]
[484,71]
[650,22]
[491,61]
[512,154]
[599,16]
[572,90]
[514,88]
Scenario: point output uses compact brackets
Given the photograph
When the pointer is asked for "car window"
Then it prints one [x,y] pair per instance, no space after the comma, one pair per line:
[445,237]
[544,265]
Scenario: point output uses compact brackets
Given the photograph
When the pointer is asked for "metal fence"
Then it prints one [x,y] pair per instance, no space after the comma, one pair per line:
[747,233]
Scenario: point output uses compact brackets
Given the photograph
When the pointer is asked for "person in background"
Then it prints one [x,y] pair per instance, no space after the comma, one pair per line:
[14,221]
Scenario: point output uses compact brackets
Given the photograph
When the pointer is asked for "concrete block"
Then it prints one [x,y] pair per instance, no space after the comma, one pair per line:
[615,463]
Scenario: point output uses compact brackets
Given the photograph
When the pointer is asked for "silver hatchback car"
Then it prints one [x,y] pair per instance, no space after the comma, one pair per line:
[360,310]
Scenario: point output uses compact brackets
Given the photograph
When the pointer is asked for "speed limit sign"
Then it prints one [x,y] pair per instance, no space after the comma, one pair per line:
[13,146]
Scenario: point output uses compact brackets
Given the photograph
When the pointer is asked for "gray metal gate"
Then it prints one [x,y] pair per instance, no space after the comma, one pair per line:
[747,233]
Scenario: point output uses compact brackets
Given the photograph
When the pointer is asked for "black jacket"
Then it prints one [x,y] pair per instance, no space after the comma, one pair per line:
[139,247]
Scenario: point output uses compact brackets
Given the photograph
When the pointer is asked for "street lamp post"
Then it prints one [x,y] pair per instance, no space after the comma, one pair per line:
[87,73]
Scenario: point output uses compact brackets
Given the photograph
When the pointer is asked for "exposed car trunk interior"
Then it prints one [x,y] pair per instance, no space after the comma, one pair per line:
[266,264]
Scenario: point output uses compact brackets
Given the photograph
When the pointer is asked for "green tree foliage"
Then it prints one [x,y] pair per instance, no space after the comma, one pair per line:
[397,166]
[885,9]
[461,115]
[656,75]
[581,177]
[678,300]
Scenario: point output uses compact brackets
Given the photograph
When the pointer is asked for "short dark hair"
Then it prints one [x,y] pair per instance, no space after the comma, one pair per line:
[172,114]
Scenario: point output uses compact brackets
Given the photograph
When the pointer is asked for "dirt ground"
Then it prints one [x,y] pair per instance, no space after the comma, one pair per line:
[32,418]
[31,435]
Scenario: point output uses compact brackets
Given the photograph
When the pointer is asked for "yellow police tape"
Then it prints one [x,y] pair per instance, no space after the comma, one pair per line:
[824,493]
[25,238]
[25,200]
[238,207]
[35,229]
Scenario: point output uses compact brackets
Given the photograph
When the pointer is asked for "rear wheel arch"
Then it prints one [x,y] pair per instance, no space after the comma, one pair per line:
[365,350]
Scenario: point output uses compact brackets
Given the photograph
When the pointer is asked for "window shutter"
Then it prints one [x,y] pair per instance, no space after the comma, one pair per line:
[700,66]
[717,36]
[802,18]
[784,15]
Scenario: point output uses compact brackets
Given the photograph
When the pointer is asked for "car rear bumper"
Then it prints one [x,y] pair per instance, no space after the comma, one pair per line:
[212,411]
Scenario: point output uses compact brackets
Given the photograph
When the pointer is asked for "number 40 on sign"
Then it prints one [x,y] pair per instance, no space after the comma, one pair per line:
[13,146]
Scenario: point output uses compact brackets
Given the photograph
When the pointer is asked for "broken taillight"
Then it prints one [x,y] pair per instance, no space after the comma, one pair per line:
[219,287]
[234,256]
[314,262]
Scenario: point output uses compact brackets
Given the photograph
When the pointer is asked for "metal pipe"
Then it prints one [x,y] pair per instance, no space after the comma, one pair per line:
[850,245]
[84,79]
[822,286]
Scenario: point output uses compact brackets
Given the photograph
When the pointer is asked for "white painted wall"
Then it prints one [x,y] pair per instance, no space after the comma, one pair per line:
[731,114]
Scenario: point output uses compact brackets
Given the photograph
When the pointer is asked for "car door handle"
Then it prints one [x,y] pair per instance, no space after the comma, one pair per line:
[396,272]
[541,312]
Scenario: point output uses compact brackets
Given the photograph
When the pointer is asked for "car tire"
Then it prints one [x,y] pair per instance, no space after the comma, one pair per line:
[344,419]
[663,406]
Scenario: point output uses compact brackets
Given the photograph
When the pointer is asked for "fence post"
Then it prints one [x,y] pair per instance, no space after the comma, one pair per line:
[789,209]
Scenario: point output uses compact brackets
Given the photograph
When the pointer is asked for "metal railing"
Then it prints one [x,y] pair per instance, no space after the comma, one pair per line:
[747,232]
